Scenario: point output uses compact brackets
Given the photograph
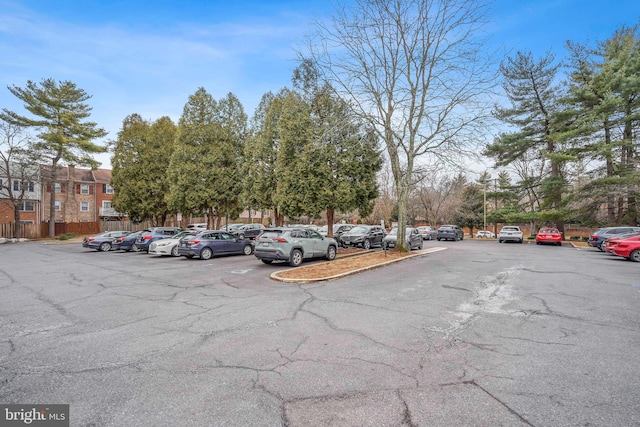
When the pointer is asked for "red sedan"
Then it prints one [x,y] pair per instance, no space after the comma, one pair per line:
[549,235]
[628,248]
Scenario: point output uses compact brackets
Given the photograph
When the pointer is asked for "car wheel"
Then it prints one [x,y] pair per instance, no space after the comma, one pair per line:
[134,248]
[521,240]
[438,239]
[189,256]
[331,253]
[247,250]
[420,246]
[105,247]
[635,256]
[241,236]
[601,246]
[296,258]
[366,244]
[206,253]
[174,251]
[266,261]
[499,241]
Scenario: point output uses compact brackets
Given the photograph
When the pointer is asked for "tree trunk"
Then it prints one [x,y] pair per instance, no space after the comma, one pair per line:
[330,213]
[16,221]
[52,199]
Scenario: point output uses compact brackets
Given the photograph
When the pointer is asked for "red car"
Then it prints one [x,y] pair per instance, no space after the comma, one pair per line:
[549,235]
[613,241]
[628,248]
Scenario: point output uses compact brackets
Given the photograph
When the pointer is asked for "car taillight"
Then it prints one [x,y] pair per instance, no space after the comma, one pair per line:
[91,239]
[194,242]
[279,240]
[594,236]
[120,239]
[147,237]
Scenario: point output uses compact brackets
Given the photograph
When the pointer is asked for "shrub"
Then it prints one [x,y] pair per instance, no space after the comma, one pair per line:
[66,236]
[575,238]
[531,237]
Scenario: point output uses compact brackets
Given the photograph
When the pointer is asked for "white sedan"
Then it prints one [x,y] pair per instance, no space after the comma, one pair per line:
[485,234]
[170,246]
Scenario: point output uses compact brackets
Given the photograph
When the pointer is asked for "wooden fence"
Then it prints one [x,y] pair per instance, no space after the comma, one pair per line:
[27,231]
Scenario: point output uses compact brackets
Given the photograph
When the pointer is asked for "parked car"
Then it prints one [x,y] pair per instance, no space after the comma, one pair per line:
[293,245]
[170,246]
[449,232]
[510,233]
[611,242]
[128,242]
[427,232]
[413,239]
[209,243]
[230,227]
[150,235]
[628,248]
[338,230]
[549,235]
[596,240]
[198,226]
[485,234]
[365,236]
[103,242]
[250,231]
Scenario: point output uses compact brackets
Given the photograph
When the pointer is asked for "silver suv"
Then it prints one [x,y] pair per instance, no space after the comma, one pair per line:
[293,245]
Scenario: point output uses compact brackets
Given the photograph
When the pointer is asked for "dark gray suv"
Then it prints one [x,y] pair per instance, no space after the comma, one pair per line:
[364,236]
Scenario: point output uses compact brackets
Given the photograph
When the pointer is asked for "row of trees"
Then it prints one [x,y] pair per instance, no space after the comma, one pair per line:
[574,144]
[413,75]
[305,153]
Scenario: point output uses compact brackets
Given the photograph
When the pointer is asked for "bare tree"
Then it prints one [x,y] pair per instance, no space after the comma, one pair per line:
[19,172]
[415,70]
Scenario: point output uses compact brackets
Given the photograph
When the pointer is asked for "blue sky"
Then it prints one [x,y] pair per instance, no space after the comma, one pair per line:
[147,57]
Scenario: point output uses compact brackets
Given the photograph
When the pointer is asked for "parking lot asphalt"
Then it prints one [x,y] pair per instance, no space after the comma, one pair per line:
[480,334]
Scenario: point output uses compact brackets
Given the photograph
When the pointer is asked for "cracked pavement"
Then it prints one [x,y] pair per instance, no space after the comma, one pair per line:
[482,334]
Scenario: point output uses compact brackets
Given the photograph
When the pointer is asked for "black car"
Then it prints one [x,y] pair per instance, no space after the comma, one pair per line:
[128,242]
[338,230]
[449,232]
[597,239]
[365,236]
[152,234]
[209,243]
[104,242]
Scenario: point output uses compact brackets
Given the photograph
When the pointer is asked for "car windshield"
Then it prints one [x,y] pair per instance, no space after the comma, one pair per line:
[548,230]
[358,230]
[509,229]
[394,232]
[182,234]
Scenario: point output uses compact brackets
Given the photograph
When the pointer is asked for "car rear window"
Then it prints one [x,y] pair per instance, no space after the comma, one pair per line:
[270,234]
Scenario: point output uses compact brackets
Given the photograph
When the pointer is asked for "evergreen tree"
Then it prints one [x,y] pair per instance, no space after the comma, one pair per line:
[139,178]
[59,110]
[534,96]
[203,170]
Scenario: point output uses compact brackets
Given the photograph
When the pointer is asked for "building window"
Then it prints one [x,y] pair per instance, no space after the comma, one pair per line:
[84,206]
[107,189]
[26,222]
[84,188]
[57,187]
[19,185]
[27,206]
[57,205]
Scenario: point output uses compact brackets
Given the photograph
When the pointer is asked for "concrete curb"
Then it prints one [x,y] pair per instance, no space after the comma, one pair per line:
[274,275]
